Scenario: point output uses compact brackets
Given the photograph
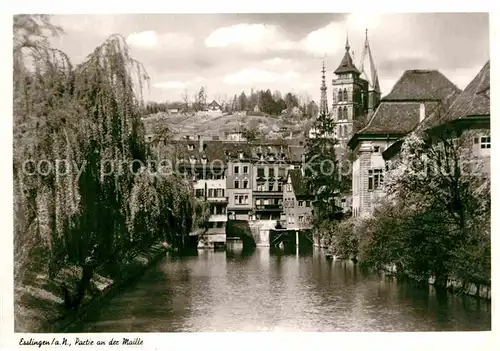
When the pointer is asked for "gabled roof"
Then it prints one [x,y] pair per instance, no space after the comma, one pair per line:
[421,85]
[399,112]
[298,183]
[397,117]
[474,100]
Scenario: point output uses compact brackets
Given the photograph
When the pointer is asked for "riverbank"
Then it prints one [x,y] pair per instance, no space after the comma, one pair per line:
[454,286]
[39,304]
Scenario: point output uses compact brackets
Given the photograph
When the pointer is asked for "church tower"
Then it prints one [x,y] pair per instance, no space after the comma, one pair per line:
[349,97]
[369,74]
[323,105]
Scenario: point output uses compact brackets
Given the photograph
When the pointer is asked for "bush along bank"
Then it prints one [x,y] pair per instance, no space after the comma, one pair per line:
[384,242]
[42,306]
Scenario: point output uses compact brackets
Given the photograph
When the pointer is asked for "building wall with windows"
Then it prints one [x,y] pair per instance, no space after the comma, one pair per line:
[297,205]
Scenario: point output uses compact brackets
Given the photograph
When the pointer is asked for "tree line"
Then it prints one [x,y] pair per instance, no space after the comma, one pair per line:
[264,101]
[103,203]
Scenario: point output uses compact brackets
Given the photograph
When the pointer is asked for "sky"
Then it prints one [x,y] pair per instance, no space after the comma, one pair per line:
[231,53]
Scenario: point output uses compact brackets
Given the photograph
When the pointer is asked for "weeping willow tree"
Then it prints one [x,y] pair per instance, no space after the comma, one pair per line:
[83,194]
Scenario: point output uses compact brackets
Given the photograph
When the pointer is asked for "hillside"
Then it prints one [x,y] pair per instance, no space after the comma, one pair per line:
[211,125]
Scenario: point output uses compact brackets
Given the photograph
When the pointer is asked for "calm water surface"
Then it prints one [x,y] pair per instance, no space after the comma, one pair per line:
[277,291]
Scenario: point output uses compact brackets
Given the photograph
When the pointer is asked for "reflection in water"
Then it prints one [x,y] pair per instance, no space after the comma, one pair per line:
[278,290]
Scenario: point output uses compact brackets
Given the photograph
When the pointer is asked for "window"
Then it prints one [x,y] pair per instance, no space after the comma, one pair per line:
[245,184]
[376,149]
[345,130]
[236,169]
[241,155]
[486,142]
[345,113]
[339,113]
[210,192]
[301,219]
[260,172]
[235,199]
[282,172]
[236,184]
[345,94]
[245,169]
[339,96]
[375,179]
[271,186]
[308,203]
[190,147]
[301,203]
[261,186]
[245,199]
[280,187]
[199,193]
[271,172]
[289,187]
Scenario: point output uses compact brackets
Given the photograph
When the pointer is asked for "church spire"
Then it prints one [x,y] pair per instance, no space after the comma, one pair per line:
[367,66]
[347,64]
[323,105]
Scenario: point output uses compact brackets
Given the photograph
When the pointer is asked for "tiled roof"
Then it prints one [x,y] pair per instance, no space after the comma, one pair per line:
[210,149]
[399,112]
[474,100]
[346,65]
[298,182]
[421,85]
[397,117]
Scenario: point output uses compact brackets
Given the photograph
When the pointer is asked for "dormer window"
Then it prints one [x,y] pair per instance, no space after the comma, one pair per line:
[192,160]
[241,155]
[190,147]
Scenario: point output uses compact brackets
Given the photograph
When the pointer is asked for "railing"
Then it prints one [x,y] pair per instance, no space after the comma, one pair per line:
[269,207]
[218,199]
[267,192]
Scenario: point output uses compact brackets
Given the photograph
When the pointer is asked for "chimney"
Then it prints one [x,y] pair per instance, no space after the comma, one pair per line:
[201,143]
[422,111]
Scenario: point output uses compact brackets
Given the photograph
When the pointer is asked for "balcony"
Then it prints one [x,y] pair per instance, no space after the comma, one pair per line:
[220,200]
[272,207]
[218,218]
[267,193]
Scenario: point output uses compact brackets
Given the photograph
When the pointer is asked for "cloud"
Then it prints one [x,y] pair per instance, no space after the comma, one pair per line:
[277,62]
[328,40]
[250,37]
[173,84]
[253,75]
[167,41]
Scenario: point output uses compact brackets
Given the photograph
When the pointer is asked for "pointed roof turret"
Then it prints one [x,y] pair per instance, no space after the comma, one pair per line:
[347,64]
[347,46]
[323,105]
[367,67]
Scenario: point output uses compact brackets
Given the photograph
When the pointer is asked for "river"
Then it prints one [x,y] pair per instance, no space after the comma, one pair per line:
[278,291]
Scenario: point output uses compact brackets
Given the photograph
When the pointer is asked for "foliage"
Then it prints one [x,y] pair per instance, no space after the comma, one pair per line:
[345,241]
[202,212]
[321,171]
[435,221]
[102,204]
